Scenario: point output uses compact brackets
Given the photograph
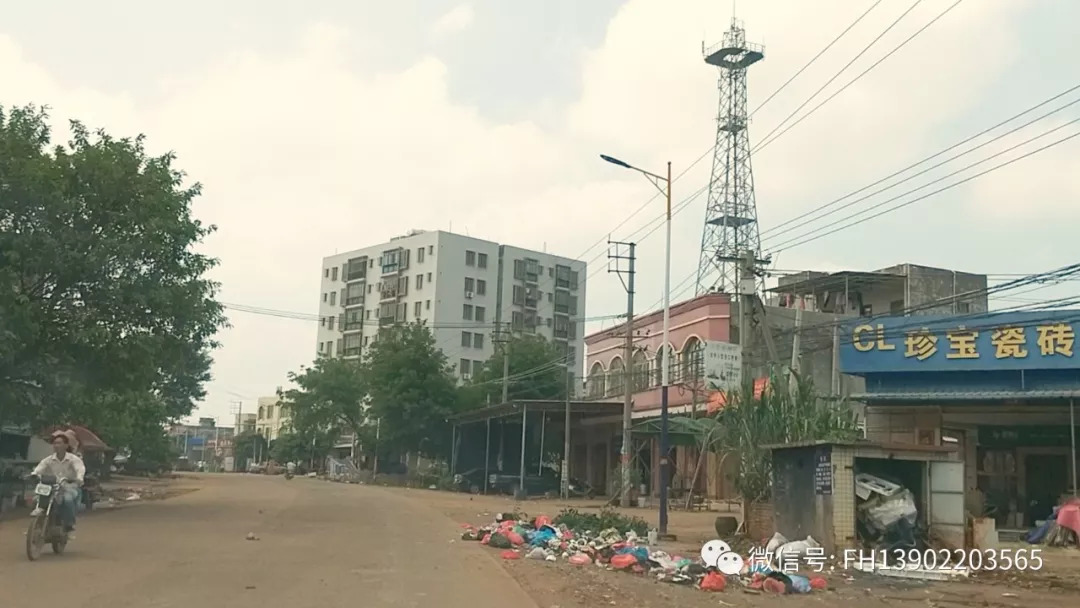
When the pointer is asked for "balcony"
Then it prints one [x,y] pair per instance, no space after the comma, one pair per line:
[388,293]
[354,301]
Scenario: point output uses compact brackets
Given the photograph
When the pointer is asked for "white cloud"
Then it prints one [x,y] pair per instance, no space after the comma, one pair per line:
[301,156]
[458,19]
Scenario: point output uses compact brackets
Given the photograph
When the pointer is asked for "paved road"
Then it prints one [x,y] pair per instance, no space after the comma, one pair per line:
[321,544]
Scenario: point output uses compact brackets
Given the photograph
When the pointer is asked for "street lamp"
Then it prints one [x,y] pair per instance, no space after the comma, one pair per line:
[663,184]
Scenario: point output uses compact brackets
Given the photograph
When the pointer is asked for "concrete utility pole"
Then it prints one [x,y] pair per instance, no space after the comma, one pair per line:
[625,252]
[564,470]
[501,337]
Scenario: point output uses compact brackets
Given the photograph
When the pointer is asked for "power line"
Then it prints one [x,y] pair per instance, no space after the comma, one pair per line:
[815,57]
[838,74]
[785,246]
[931,157]
[768,141]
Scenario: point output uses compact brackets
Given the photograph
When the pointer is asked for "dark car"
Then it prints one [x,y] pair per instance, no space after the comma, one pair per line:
[545,484]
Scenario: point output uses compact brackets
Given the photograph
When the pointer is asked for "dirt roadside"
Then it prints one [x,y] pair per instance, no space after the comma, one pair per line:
[560,584]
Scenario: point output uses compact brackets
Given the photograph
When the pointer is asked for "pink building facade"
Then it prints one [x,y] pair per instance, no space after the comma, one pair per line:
[692,323]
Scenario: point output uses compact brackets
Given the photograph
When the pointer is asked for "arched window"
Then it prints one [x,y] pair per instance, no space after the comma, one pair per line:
[692,360]
[640,372]
[616,377]
[262,412]
[597,381]
[658,366]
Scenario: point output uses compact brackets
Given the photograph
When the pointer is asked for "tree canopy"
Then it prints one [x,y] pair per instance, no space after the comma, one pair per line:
[329,395]
[106,311]
[536,372]
[412,390]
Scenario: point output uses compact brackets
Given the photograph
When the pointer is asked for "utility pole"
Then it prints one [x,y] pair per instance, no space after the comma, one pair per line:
[625,253]
[564,470]
[501,337]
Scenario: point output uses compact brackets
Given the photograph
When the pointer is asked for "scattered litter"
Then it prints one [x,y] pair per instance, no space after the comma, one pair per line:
[251,536]
[552,540]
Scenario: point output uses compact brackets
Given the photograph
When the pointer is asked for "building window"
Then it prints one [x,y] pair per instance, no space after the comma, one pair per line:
[963,307]
[330,348]
[478,340]
[427,305]
[480,310]
[470,258]
[417,309]
[333,273]
[519,295]
[371,263]
[419,282]
[517,320]
[326,272]
[466,339]
[481,287]
[429,277]
[320,346]
[467,312]
[519,270]
[322,321]
[369,288]
[330,323]
[333,298]
[367,314]
[481,260]
[365,340]
[431,250]
[325,296]
[420,255]
[465,366]
[470,285]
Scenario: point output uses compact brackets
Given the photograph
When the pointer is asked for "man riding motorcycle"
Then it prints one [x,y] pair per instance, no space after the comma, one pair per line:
[65,465]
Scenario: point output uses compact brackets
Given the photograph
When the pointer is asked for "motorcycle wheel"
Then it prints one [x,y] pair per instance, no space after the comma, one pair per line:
[35,538]
[60,544]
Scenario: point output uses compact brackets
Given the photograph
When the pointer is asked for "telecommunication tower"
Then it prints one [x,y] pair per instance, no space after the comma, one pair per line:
[731,227]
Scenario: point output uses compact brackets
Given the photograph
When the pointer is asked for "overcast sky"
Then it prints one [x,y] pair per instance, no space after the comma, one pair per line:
[328,126]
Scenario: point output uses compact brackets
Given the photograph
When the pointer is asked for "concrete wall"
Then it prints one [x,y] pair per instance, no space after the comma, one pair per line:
[926,284]
[816,347]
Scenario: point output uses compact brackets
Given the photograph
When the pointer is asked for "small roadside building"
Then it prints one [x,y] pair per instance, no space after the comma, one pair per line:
[1000,388]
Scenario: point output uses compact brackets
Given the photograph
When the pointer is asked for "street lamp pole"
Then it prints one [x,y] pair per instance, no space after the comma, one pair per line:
[663,183]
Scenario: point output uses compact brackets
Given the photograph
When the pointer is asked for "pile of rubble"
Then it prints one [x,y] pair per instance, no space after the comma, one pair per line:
[541,539]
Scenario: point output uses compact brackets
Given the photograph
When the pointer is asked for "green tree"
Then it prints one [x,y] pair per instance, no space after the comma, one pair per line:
[412,390]
[536,372]
[248,445]
[787,411]
[329,397]
[290,447]
[104,302]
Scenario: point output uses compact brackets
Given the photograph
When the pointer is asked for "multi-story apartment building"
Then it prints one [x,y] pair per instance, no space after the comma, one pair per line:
[462,287]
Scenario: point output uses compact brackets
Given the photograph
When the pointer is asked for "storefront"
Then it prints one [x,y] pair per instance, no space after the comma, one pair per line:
[1002,388]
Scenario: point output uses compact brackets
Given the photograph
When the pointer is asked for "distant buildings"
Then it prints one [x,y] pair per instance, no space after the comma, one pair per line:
[205,441]
[462,287]
[271,417]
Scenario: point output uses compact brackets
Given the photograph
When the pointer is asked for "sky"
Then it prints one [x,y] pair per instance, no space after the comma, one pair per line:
[329,126]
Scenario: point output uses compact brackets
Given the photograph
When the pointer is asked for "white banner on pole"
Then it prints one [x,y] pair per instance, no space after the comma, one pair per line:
[722,366]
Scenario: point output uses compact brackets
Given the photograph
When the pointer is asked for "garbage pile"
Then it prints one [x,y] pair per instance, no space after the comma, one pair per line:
[886,516]
[542,539]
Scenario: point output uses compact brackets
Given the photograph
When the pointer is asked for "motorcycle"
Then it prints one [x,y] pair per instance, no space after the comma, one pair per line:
[288,475]
[46,527]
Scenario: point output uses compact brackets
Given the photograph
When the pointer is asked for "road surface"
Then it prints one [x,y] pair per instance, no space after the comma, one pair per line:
[320,544]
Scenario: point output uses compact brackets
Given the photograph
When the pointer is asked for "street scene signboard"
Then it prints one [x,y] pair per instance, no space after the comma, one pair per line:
[722,366]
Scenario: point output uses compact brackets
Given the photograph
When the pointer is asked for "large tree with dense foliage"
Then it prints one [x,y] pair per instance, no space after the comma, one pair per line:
[536,371]
[106,312]
[329,397]
[411,390]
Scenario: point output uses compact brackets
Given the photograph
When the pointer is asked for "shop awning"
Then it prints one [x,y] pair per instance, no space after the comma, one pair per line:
[514,408]
[969,395]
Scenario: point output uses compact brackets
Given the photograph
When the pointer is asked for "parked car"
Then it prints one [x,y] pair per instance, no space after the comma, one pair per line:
[548,483]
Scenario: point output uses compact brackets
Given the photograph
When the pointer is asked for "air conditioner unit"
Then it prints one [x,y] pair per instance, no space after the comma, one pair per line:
[468,295]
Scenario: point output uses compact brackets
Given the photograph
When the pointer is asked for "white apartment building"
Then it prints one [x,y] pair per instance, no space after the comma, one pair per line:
[271,417]
[462,287]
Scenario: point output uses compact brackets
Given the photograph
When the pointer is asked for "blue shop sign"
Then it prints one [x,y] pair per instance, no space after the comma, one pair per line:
[982,342]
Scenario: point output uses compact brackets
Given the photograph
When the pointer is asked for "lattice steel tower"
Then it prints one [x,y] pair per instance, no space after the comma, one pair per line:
[731,226]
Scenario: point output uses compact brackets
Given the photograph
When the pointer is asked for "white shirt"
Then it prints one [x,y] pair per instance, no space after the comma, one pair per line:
[71,468]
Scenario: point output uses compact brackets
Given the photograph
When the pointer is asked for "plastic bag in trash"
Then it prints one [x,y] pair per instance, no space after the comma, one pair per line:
[775,543]
[794,551]
[882,514]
